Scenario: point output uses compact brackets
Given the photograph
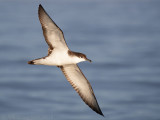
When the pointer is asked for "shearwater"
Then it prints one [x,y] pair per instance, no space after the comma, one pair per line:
[61,56]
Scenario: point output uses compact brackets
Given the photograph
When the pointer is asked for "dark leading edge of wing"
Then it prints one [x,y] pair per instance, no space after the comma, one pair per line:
[82,86]
[52,33]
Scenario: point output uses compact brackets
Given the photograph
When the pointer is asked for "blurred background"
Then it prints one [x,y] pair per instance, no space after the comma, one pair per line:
[121,37]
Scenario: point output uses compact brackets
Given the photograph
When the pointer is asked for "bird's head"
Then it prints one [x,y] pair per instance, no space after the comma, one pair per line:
[83,57]
[80,57]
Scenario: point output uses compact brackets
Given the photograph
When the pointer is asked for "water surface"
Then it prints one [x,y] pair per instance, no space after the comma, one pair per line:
[121,37]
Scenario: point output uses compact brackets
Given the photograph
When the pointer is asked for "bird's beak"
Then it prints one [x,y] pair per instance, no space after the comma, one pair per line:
[89,60]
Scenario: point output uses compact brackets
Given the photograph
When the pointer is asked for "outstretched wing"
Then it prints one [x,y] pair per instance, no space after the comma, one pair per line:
[79,82]
[52,33]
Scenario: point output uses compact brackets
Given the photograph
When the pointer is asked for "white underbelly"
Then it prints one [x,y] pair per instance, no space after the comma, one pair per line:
[60,59]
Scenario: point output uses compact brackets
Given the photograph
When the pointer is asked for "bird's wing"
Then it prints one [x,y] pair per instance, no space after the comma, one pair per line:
[52,33]
[82,86]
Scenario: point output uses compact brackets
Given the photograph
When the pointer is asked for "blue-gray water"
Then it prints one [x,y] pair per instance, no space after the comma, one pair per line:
[121,37]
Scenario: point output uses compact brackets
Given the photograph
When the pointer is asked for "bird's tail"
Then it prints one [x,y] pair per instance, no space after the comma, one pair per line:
[39,61]
[31,62]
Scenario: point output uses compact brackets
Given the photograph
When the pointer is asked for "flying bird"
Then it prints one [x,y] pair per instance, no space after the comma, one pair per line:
[61,56]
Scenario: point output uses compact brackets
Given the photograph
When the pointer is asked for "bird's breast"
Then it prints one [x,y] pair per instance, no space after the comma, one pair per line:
[61,58]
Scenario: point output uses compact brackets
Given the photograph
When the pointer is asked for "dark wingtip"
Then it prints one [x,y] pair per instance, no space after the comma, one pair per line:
[40,5]
[99,112]
[41,9]
[31,62]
